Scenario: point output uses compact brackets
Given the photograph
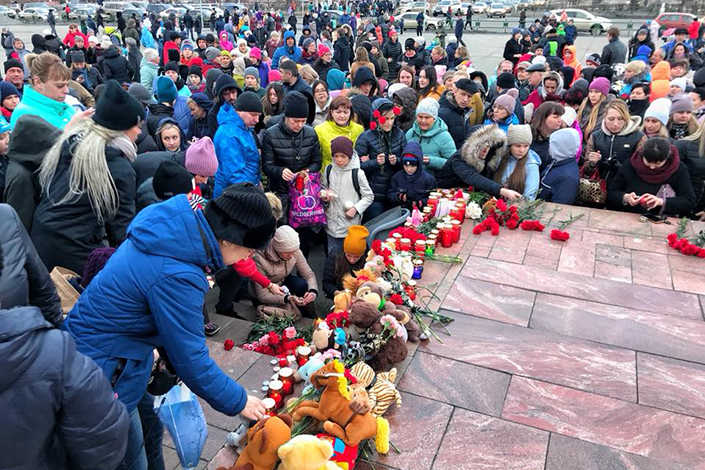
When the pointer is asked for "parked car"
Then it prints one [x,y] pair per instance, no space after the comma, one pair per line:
[496,9]
[408,22]
[178,11]
[157,7]
[416,7]
[81,13]
[586,21]
[479,8]
[673,20]
[442,7]
[33,14]
[110,9]
[523,5]
[5,10]
[138,12]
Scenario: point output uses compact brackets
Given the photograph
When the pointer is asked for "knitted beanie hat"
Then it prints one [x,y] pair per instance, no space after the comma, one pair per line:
[171,179]
[295,105]
[275,76]
[681,103]
[409,44]
[285,240]
[659,109]
[600,84]
[249,102]
[680,82]
[505,80]
[252,71]
[201,159]
[428,106]
[241,215]
[166,90]
[322,49]
[212,53]
[195,70]
[7,89]
[355,242]
[256,52]
[116,109]
[519,134]
[173,66]
[95,263]
[141,93]
[342,145]
[12,63]
[508,100]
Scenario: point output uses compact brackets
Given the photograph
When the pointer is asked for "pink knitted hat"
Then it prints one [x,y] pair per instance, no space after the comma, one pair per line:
[201,159]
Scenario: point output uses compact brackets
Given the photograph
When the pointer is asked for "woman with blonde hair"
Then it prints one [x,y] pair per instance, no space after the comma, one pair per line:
[592,111]
[45,95]
[362,59]
[338,122]
[88,184]
[308,74]
[656,119]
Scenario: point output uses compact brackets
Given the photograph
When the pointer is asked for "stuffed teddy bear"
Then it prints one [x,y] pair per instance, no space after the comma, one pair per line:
[306,452]
[412,328]
[383,392]
[263,441]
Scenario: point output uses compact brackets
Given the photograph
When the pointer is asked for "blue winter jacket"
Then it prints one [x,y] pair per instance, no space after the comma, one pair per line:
[151,294]
[294,52]
[504,125]
[531,174]
[236,149]
[147,39]
[560,181]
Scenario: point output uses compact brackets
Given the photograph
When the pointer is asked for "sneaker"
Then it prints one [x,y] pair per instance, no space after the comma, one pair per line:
[211,329]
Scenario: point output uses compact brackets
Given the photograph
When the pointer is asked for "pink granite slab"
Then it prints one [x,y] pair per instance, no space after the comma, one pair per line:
[688,281]
[567,453]
[511,245]
[634,329]
[583,287]
[651,269]
[622,425]
[558,359]
[489,300]
[652,245]
[478,442]
[416,429]
[577,258]
[603,238]
[456,383]
[619,222]
[671,384]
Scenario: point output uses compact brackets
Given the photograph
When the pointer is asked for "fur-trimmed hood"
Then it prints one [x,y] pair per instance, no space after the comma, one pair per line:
[485,135]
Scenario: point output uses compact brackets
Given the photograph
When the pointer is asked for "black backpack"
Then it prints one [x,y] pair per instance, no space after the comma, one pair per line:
[355,180]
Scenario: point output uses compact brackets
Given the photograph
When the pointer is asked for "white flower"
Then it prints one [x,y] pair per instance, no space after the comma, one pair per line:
[473,211]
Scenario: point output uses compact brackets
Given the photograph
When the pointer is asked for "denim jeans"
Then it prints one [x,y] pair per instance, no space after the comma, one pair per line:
[335,245]
[153,432]
[135,457]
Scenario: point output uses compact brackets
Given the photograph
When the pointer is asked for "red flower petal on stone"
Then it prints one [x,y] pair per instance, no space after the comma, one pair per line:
[228,344]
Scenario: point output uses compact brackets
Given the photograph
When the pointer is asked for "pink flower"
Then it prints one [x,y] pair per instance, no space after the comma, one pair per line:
[263,341]
[290,332]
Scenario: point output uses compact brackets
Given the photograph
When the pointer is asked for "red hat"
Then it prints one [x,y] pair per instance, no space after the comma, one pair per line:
[323,49]
[391,31]
[256,53]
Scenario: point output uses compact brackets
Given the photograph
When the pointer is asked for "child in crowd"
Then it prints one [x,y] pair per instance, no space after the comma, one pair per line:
[351,259]
[346,197]
[202,163]
[411,185]
[560,179]
[518,169]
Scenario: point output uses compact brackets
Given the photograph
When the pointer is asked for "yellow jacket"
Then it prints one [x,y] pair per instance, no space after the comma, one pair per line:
[329,130]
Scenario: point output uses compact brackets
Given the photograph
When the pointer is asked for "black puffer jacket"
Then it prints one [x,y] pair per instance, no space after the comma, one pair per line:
[65,234]
[282,149]
[615,149]
[454,117]
[392,50]
[372,143]
[157,112]
[465,168]
[322,68]
[341,53]
[689,153]
[23,278]
[58,405]
[146,164]
[117,67]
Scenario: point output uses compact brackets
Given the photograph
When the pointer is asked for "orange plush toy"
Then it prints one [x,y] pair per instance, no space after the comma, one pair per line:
[263,442]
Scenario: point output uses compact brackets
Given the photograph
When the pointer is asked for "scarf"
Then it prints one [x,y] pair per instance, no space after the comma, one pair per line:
[659,175]
[679,131]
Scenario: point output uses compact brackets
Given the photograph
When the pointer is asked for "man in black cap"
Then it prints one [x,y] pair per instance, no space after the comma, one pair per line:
[461,109]
[535,72]
[288,148]
[225,91]
[680,36]
[291,81]
[14,73]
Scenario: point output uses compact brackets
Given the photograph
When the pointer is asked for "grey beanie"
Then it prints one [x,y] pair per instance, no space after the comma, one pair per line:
[285,240]
[252,71]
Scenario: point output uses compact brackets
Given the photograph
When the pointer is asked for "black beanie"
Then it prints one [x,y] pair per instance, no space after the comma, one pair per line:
[242,215]
[698,78]
[171,66]
[410,44]
[249,102]
[116,109]
[78,57]
[506,81]
[12,63]
[295,105]
[195,70]
[171,179]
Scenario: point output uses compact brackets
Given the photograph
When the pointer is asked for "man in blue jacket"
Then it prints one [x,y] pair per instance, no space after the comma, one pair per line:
[151,295]
[235,145]
[289,49]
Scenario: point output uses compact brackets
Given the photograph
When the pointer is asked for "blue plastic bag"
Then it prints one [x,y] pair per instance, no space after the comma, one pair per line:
[183,417]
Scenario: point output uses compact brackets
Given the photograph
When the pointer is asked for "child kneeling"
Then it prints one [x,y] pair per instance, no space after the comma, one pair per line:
[411,185]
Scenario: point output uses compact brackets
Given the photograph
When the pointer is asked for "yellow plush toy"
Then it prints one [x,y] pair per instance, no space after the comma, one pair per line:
[306,452]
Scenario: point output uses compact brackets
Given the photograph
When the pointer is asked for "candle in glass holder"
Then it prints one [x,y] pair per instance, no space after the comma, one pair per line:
[420,247]
[275,393]
[455,227]
[410,289]
[418,269]
[391,243]
[427,213]
[461,207]
[397,237]
[270,407]
[446,236]
[430,245]
[302,355]
[405,244]
[454,213]
[286,375]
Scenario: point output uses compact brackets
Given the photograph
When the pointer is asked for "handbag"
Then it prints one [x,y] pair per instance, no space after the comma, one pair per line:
[305,207]
[592,189]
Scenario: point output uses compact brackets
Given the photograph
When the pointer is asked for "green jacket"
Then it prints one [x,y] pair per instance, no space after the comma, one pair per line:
[56,113]
[436,143]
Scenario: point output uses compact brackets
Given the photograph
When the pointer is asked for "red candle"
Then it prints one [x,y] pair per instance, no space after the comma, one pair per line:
[454,213]
[420,247]
[456,230]
[275,393]
[286,375]
[270,407]
[302,355]
[446,237]
[405,244]
[397,239]
[461,207]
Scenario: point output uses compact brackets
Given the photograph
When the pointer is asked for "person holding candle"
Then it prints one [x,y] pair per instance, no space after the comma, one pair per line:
[351,259]
[411,185]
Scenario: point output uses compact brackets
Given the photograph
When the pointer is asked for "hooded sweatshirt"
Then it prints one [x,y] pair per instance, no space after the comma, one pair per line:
[575,63]
[560,179]
[292,52]
[539,95]
[660,80]
[416,186]
[339,181]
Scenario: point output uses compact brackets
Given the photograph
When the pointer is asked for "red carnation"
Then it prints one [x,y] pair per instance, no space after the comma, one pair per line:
[559,236]
[512,224]
[478,229]
[515,217]
[228,344]
[273,338]
[512,209]
[672,237]
[701,253]
[501,205]
[377,246]
[376,113]
[494,230]
[396,299]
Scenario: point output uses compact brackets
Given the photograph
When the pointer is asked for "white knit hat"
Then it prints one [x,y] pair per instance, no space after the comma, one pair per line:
[659,109]
[569,116]
[680,82]
[519,134]
[428,106]
[285,240]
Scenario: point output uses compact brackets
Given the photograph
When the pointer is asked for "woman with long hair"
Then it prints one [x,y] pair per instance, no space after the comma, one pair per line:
[681,122]
[362,59]
[88,184]
[518,169]
[407,76]
[273,101]
[428,85]
[546,120]
[592,111]
[338,123]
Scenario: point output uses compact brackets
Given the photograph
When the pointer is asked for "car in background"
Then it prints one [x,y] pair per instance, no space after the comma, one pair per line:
[674,20]
[523,5]
[138,12]
[156,7]
[205,13]
[140,4]
[407,22]
[5,10]
[585,21]
[416,7]
[479,8]
[33,14]
[442,7]
[178,11]
[80,12]
[496,10]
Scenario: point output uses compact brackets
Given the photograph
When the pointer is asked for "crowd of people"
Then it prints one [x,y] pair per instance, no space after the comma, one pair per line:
[151,145]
